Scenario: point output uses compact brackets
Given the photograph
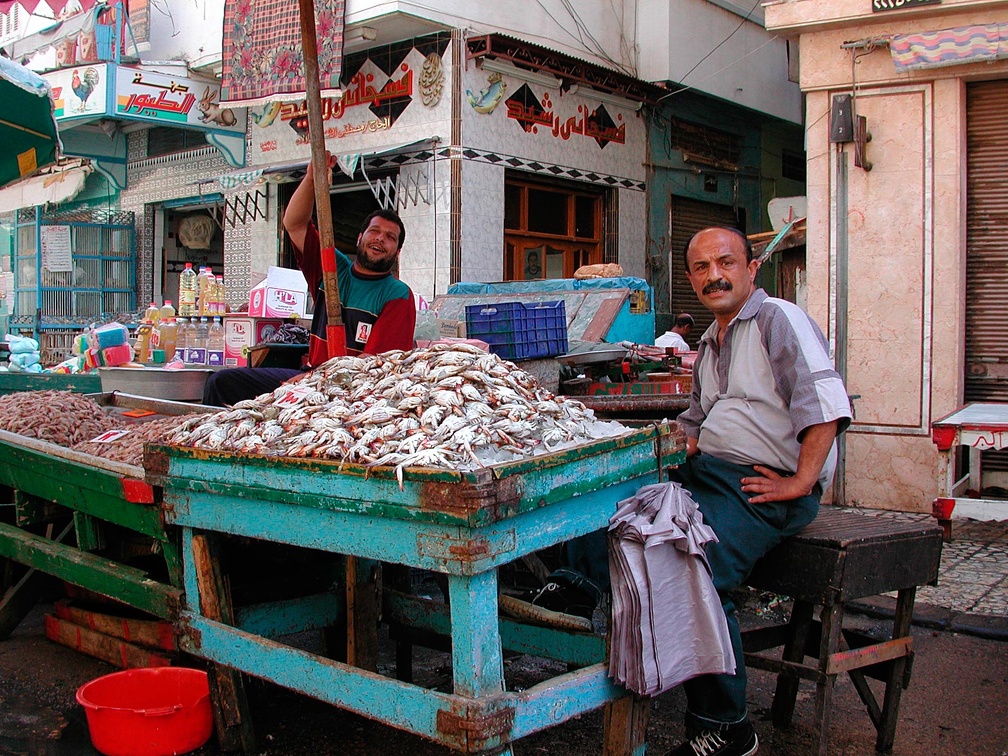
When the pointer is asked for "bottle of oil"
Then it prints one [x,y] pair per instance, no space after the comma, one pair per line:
[204,284]
[187,292]
[169,336]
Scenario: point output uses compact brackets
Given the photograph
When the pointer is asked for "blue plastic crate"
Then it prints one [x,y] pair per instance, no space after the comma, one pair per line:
[518,330]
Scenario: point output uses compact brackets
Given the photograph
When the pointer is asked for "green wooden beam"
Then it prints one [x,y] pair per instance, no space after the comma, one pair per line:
[118,581]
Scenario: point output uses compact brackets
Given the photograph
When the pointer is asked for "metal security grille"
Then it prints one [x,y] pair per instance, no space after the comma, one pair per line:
[987,248]
[688,217]
[100,284]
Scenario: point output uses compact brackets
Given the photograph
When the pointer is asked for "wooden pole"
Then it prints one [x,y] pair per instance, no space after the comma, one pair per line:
[316,134]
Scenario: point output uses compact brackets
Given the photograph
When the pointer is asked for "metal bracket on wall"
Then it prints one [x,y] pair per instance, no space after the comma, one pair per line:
[244,208]
[394,192]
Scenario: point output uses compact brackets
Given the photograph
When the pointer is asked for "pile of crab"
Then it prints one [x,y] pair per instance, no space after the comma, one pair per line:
[450,406]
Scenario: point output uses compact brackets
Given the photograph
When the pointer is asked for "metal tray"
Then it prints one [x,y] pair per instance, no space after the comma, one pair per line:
[176,385]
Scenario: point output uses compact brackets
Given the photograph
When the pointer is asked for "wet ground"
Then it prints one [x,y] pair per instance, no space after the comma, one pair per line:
[956,702]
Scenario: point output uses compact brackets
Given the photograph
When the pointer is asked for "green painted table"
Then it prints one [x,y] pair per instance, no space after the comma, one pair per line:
[461,524]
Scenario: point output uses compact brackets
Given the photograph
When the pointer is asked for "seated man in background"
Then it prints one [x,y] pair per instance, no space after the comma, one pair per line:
[676,338]
[379,311]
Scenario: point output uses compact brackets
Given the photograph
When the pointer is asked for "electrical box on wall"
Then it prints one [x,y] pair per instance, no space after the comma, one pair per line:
[842,119]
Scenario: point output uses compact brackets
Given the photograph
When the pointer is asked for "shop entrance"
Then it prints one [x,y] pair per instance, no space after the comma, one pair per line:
[188,232]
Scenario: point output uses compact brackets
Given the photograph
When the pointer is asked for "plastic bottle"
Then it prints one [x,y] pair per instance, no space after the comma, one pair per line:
[219,296]
[215,343]
[153,313]
[187,292]
[182,339]
[191,344]
[203,286]
[169,336]
[167,311]
[198,348]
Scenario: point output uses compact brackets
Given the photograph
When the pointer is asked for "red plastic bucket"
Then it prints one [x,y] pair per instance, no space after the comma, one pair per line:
[161,711]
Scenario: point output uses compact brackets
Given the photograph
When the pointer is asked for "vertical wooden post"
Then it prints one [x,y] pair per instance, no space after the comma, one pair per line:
[231,712]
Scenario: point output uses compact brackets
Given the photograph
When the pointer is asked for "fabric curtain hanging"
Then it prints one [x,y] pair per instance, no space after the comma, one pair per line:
[949,47]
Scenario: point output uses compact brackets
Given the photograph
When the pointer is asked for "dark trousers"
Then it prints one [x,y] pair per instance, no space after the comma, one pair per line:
[225,387]
[745,533]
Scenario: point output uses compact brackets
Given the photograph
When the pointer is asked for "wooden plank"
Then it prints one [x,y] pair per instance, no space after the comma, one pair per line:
[625,727]
[844,661]
[115,651]
[153,633]
[399,541]
[231,712]
[126,584]
[446,497]
[415,613]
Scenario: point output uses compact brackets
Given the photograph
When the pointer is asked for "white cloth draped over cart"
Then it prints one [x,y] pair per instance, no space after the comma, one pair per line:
[668,624]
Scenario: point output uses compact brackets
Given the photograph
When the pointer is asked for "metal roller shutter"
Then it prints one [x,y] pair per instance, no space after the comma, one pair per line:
[987,248]
[688,217]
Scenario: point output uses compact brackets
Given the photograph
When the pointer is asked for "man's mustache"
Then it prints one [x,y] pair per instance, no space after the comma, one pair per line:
[720,285]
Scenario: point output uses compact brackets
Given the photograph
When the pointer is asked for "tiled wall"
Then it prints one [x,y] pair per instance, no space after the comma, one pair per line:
[155,180]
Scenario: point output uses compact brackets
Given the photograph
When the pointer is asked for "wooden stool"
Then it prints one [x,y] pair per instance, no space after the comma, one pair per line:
[839,557]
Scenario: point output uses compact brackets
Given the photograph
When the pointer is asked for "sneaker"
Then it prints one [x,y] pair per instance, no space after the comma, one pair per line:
[732,740]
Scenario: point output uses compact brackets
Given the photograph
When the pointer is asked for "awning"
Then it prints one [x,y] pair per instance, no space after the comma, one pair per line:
[57,6]
[949,47]
[51,35]
[48,189]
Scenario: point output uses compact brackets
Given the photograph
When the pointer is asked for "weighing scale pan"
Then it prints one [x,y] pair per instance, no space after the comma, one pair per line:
[606,353]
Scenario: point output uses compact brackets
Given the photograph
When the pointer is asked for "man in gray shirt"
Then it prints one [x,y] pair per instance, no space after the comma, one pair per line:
[764,414]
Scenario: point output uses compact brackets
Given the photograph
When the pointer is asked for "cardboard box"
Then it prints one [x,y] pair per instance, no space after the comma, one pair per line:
[241,332]
[452,329]
[283,293]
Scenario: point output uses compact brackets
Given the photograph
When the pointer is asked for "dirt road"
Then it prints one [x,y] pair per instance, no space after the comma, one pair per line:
[956,704]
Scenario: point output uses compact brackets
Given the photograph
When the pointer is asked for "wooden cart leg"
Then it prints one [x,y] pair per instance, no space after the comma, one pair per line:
[477,659]
[399,579]
[786,693]
[362,612]
[832,619]
[895,682]
[626,722]
[231,712]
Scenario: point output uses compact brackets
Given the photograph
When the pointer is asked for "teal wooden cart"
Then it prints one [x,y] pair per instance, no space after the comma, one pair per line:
[461,524]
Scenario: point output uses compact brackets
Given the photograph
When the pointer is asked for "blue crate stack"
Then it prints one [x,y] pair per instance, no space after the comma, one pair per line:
[519,330]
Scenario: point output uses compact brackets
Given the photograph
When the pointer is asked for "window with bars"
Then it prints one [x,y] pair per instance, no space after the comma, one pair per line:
[550,230]
[166,140]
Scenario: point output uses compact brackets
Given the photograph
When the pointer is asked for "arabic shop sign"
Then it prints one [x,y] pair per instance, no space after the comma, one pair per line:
[879,6]
[171,100]
[534,114]
[370,103]
[81,91]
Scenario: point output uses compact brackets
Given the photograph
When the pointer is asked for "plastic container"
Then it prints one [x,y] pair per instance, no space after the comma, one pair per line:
[519,330]
[187,292]
[215,343]
[158,711]
[169,337]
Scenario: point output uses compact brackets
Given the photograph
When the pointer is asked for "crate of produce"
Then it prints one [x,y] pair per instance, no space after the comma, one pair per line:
[519,330]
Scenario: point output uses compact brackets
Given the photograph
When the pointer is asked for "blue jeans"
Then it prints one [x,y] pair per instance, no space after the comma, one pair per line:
[745,533]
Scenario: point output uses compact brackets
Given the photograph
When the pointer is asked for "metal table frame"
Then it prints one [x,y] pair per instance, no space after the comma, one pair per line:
[978,427]
[464,525]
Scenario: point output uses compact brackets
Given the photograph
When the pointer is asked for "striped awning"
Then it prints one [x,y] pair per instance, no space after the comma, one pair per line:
[949,47]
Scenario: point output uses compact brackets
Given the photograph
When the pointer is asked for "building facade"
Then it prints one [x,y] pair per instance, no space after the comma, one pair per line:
[906,232]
